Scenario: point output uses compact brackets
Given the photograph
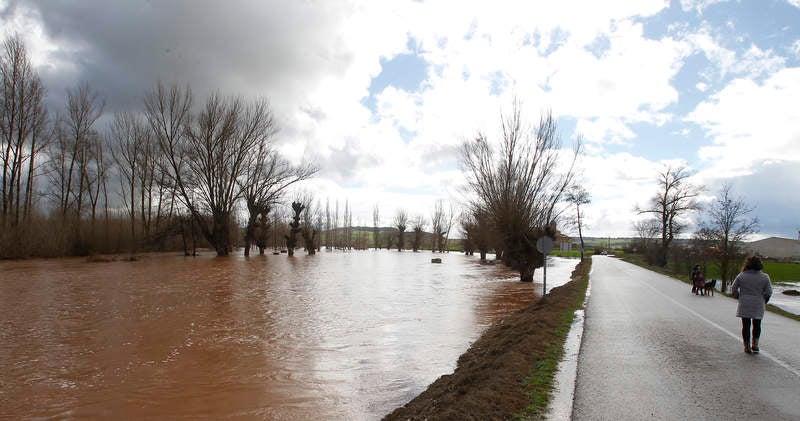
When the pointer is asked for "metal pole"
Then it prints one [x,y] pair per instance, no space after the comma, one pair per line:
[544,277]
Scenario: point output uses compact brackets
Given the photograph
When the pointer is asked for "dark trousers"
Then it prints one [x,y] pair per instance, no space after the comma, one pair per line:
[746,329]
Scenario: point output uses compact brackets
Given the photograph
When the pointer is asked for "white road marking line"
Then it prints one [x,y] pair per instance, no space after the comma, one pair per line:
[732,335]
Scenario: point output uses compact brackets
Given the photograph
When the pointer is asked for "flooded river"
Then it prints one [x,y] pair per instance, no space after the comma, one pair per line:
[332,336]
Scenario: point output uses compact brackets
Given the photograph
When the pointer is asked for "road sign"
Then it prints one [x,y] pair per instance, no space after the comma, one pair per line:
[544,245]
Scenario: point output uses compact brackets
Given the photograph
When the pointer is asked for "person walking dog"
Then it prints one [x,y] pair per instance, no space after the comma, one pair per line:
[698,281]
[753,289]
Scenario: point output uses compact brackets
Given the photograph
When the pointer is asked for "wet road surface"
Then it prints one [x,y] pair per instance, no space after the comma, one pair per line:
[653,350]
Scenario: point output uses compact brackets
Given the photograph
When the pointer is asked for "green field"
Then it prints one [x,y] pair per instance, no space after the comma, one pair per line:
[777,271]
[783,272]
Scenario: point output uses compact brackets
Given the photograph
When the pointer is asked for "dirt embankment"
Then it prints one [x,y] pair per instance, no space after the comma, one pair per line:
[490,380]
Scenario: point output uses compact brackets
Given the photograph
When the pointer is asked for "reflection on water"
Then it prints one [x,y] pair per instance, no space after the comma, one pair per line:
[333,336]
[790,303]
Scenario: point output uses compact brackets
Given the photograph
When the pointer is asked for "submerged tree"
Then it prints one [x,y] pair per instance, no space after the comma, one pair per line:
[375,229]
[441,224]
[309,229]
[437,222]
[217,157]
[519,185]
[294,228]
[477,233]
[726,227]
[267,176]
[400,222]
[418,225]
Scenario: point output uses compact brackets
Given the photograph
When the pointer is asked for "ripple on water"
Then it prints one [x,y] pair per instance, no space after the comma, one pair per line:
[333,336]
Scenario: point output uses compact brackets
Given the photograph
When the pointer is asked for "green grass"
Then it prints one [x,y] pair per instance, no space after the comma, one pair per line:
[782,271]
[572,253]
[540,381]
[577,253]
[778,271]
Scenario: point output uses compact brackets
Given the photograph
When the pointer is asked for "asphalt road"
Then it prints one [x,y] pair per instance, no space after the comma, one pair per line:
[653,350]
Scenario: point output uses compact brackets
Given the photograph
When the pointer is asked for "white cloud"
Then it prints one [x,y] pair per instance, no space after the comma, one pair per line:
[315,61]
[750,122]
[750,63]
[605,130]
[617,183]
[698,5]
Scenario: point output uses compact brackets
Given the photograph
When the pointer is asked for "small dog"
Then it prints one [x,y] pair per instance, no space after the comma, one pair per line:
[708,287]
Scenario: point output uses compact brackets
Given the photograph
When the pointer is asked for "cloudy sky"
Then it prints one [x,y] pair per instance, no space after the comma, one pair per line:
[381,93]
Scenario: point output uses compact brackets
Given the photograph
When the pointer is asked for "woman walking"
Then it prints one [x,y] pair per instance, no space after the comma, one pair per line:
[698,281]
[753,289]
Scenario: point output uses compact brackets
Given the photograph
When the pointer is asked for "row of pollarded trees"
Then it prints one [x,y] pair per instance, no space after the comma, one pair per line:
[441,223]
[334,231]
[175,163]
[723,226]
[518,186]
[219,156]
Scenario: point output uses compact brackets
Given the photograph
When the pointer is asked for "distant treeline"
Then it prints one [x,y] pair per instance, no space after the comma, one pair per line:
[173,175]
[177,174]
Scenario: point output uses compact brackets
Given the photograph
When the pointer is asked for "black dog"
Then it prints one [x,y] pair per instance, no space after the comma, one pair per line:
[708,287]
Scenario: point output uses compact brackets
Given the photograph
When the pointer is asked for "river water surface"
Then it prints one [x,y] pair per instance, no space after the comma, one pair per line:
[332,336]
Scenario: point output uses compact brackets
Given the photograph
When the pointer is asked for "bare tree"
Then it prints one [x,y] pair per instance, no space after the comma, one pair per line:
[578,196]
[447,224]
[168,111]
[437,223]
[347,228]
[309,229]
[96,180]
[22,135]
[336,226]
[646,232]
[318,225]
[266,174]
[294,227]
[376,232]
[73,160]
[279,229]
[477,232]
[400,222]
[418,225]
[327,224]
[675,200]
[519,186]
[210,157]
[726,227]
[266,179]
[128,139]
[467,225]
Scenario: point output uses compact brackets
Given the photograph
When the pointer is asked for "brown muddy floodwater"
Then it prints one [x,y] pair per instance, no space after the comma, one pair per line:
[332,336]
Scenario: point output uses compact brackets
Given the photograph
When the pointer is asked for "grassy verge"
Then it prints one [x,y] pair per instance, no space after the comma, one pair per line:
[639,261]
[509,371]
[540,380]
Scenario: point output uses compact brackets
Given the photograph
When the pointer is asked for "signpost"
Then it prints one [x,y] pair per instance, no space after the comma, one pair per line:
[545,246]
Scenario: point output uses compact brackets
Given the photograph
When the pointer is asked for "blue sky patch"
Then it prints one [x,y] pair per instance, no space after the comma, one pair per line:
[404,71]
